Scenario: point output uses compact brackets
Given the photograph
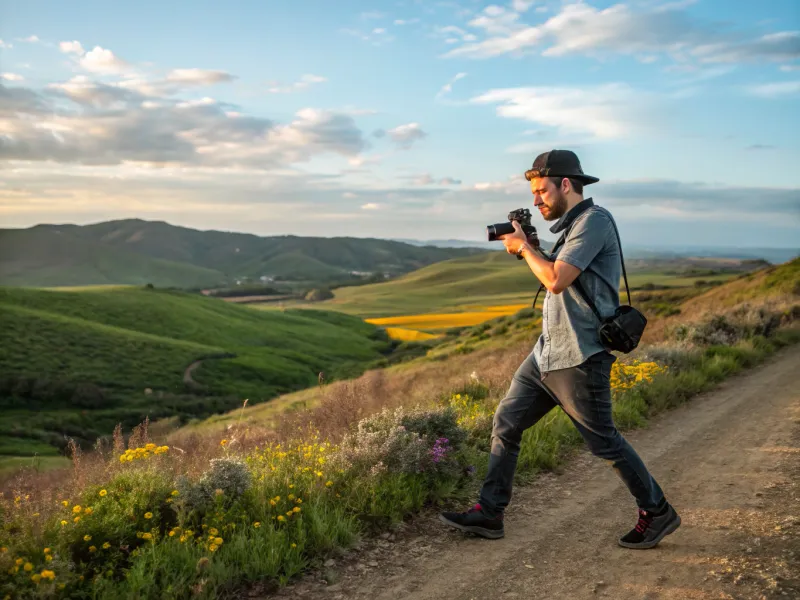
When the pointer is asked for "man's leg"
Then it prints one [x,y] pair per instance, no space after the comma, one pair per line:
[584,392]
[524,404]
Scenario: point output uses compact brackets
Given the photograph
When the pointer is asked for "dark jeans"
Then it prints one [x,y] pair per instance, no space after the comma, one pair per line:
[584,394]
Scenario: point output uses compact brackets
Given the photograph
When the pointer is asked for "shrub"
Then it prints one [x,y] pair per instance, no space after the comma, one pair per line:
[226,480]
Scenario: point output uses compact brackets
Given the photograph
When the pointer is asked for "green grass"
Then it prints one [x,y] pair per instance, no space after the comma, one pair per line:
[144,540]
[484,280]
[76,363]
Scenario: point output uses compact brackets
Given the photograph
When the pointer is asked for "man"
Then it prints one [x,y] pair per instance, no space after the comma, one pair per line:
[568,367]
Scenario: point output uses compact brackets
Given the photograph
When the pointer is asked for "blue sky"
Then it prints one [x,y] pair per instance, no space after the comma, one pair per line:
[402,119]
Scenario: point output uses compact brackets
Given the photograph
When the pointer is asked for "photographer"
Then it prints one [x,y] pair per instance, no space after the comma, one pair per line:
[569,367]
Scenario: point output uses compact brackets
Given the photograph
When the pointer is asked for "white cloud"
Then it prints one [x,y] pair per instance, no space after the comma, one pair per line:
[349,195]
[111,125]
[11,77]
[198,77]
[607,111]
[379,30]
[775,90]
[73,47]
[31,39]
[5,44]
[103,61]
[522,6]
[370,206]
[405,135]
[620,29]
[427,179]
[790,68]
[448,87]
[406,21]
[303,83]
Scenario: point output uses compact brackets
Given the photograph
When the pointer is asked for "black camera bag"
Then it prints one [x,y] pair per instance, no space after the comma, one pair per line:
[623,330]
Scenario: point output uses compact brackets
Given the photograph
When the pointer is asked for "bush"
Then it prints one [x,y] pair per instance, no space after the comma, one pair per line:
[225,482]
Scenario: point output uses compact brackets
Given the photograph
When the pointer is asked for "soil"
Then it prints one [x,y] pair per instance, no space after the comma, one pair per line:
[729,461]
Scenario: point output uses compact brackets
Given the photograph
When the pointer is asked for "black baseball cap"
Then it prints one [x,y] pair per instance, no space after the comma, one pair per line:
[559,163]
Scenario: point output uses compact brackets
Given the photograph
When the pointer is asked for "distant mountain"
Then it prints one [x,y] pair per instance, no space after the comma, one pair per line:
[45,257]
[136,251]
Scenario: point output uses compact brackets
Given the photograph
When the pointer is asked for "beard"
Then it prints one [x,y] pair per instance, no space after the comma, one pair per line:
[557,208]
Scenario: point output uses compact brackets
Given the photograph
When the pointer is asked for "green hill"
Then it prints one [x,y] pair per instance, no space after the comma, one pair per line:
[137,252]
[45,257]
[77,363]
[496,278]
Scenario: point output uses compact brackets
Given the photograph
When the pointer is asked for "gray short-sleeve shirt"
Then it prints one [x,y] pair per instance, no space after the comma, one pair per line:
[569,327]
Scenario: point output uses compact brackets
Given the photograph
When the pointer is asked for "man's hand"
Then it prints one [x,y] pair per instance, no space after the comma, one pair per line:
[556,276]
[514,241]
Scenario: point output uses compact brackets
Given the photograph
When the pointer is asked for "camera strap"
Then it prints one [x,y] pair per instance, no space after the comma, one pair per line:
[577,283]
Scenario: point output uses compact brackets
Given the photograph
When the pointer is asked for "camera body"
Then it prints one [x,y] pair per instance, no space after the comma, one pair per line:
[521,216]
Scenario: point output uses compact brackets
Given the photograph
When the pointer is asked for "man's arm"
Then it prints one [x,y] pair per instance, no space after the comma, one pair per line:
[586,239]
[555,276]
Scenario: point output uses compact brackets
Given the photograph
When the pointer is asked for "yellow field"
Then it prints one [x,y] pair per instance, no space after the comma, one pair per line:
[409,335]
[404,325]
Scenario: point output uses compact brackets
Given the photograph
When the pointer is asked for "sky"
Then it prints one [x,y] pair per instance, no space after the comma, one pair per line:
[402,119]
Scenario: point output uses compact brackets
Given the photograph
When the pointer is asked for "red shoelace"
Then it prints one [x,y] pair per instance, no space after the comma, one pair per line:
[645,518]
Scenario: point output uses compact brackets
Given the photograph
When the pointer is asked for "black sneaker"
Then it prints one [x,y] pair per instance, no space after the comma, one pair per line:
[475,521]
[651,528]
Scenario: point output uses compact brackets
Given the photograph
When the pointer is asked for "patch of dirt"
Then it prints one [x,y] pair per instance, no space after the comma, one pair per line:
[729,461]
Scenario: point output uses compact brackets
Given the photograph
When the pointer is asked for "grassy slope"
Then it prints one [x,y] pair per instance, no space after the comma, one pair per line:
[44,258]
[489,279]
[469,347]
[129,339]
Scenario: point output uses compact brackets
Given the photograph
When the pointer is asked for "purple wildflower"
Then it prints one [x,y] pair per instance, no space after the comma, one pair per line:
[440,449]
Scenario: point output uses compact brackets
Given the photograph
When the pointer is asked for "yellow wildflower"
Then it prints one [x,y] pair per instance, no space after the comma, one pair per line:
[213,531]
[106,546]
[87,538]
[27,567]
[76,509]
[294,545]
[65,502]
[148,515]
[147,536]
[218,541]
[36,578]
[257,524]
[103,493]
[92,548]
[281,518]
[47,574]
[296,509]
[212,547]
[88,510]
[175,492]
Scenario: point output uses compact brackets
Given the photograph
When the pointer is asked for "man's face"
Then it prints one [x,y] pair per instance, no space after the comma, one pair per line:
[548,198]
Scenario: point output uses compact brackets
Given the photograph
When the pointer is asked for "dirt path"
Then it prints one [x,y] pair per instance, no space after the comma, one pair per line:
[730,463]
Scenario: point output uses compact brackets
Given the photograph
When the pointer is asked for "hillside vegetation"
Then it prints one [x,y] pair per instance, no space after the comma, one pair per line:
[238,512]
[496,278]
[47,258]
[137,252]
[435,365]
[77,363]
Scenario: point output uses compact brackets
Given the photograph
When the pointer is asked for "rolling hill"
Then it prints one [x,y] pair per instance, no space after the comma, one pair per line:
[496,278]
[45,257]
[136,252]
[77,363]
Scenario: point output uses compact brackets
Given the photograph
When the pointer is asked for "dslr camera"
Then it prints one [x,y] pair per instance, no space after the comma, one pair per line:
[521,216]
